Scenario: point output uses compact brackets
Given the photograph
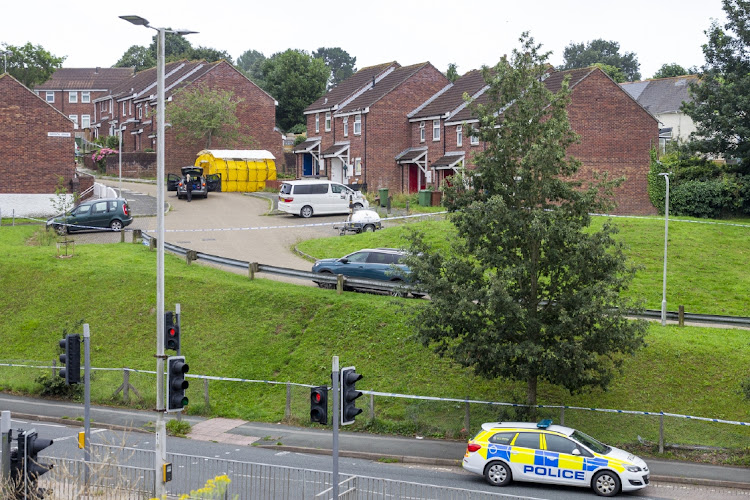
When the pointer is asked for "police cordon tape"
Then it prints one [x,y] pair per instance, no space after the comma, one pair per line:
[423,398]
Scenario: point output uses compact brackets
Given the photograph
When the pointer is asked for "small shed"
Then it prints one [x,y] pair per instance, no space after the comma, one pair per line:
[244,170]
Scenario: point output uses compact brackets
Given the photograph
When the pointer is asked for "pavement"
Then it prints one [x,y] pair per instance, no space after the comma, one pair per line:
[411,450]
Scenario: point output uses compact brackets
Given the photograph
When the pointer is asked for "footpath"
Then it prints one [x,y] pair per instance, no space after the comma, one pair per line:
[319,441]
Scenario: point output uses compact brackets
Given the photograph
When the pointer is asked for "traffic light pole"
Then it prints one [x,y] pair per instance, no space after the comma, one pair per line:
[336,419]
[87,402]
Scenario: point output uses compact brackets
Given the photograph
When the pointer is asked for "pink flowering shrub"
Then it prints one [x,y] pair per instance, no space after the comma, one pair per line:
[99,157]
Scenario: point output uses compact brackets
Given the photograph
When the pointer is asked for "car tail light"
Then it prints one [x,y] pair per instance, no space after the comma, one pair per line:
[179,183]
[125,208]
[286,200]
[474,447]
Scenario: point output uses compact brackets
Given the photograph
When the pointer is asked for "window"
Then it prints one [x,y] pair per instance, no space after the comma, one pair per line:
[459,136]
[435,130]
[346,126]
[86,97]
[140,112]
[49,96]
[100,207]
[358,257]
[560,444]
[74,118]
[421,131]
[319,189]
[357,125]
[474,138]
[72,97]
[317,123]
[124,109]
[85,121]
[338,188]
[502,438]
[527,440]
[328,121]
[358,166]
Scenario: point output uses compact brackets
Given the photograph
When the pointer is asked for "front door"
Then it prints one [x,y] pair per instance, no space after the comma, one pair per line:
[307,164]
[337,170]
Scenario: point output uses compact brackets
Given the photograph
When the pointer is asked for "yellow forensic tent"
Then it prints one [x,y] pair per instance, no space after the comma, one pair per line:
[244,170]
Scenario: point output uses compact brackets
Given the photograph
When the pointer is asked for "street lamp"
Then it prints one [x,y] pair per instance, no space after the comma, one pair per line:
[161,430]
[6,53]
[666,234]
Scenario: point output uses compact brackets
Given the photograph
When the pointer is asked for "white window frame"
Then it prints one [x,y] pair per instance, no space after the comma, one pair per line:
[130,107]
[435,130]
[85,121]
[73,97]
[421,131]
[357,124]
[358,166]
[124,108]
[474,141]
[346,126]
[74,118]
[328,121]
[317,122]
[459,136]
[86,97]
[49,97]
[140,112]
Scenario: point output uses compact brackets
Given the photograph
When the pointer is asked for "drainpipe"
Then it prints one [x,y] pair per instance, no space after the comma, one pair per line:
[367,166]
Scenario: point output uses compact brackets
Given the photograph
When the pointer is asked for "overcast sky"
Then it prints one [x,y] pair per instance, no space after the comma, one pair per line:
[468,33]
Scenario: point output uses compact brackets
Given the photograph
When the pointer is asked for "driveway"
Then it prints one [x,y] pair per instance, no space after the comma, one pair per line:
[221,225]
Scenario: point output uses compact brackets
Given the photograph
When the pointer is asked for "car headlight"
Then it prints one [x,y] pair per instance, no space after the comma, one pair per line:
[633,468]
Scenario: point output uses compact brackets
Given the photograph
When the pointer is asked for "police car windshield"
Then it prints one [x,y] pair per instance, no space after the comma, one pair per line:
[590,442]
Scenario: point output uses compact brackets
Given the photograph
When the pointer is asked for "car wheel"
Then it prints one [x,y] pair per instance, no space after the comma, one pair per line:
[358,206]
[323,284]
[306,212]
[417,295]
[497,474]
[115,225]
[606,483]
[61,229]
[369,228]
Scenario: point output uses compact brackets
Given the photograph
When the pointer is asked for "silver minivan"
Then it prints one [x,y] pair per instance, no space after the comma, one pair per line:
[316,197]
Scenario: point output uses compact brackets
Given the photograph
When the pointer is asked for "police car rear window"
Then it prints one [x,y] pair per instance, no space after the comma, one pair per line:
[502,438]
[527,440]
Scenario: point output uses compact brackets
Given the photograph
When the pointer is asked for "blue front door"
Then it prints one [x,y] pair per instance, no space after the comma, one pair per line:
[307,164]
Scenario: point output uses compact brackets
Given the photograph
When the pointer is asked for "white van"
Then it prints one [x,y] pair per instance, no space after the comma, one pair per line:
[308,197]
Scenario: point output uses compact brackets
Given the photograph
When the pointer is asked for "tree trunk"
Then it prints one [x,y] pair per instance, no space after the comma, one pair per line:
[531,397]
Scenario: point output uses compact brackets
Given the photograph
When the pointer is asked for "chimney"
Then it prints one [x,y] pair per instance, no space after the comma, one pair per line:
[96,71]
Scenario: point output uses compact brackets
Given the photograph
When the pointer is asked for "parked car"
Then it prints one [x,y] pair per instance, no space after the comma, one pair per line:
[382,264]
[198,182]
[553,454]
[110,213]
[314,196]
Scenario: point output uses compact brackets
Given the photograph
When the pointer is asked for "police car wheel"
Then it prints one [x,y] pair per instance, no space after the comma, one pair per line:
[606,484]
[497,474]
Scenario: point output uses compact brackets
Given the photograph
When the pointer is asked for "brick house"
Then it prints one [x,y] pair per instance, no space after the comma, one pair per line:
[616,134]
[132,106]
[355,131]
[37,149]
[72,91]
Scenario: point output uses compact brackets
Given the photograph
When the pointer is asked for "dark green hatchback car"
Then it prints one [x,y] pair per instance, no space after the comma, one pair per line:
[103,213]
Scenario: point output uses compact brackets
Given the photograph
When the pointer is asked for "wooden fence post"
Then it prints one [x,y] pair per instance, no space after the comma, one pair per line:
[190,256]
[252,269]
[137,235]
[661,433]
[681,315]
[152,243]
[122,236]
[339,284]
[467,421]
[288,407]
[562,415]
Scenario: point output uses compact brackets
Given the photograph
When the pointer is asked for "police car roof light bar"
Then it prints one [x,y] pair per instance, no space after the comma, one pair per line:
[544,423]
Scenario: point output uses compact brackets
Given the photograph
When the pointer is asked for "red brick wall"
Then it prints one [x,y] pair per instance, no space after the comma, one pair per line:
[32,162]
[388,131]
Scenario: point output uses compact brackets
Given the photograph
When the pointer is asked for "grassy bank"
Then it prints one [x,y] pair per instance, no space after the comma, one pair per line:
[266,330]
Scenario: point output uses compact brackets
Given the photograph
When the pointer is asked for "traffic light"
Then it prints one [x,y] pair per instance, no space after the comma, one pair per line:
[24,464]
[176,383]
[71,358]
[319,404]
[349,395]
[172,331]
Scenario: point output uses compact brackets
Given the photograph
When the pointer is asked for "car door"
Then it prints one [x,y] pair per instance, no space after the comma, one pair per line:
[99,216]
[339,198]
[172,181]
[213,182]
[354,265]
[79,216]
[523,455]
[565,458]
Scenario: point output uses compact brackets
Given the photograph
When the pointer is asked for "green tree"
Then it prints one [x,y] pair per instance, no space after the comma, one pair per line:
[210,55]
[251,63]
[580,55]
[672,70]
[176,47]
[200,113]
[452,72]
[528,291]
[720,106]
[341,64]
[31,64]
[138,57]
[613,72]
[295,79]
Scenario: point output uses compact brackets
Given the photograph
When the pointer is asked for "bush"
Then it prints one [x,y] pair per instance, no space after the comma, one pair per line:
[706,199]
[56,387]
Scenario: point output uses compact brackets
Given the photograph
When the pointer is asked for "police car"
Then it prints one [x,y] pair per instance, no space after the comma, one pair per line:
[546,453]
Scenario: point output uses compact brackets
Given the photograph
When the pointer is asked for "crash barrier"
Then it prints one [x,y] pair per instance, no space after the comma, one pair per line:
[401,288]
[129,472]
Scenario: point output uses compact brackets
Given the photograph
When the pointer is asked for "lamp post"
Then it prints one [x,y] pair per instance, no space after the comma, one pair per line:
[666,238]
[161,430]
[6,53]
